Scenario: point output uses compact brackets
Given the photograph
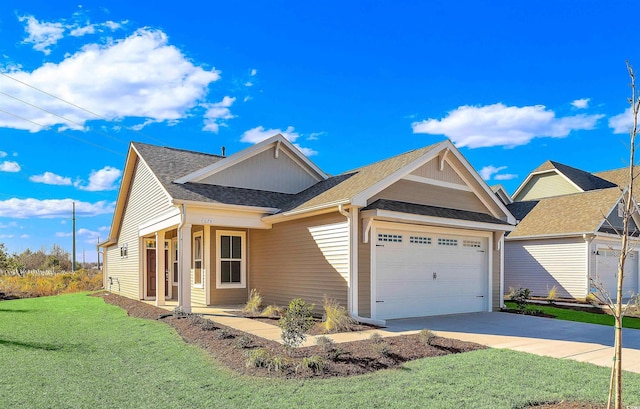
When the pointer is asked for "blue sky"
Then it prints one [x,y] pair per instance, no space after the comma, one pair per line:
[512,84]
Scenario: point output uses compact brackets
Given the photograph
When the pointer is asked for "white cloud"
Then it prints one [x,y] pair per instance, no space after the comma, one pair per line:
[6,236]
[248,84]
[315,136]
[49,178]
[621,123]
[52,208]
[42,34]
[78,31]
[492,172]
[24,236]
[247,98]
[103,179]
[581,103]
[217,113]
[488,171]
[500,125]
[3,154]
[259,134]
[90,236]
[9,166]
[505,176]
[64,234]
[254,72]
[139,76]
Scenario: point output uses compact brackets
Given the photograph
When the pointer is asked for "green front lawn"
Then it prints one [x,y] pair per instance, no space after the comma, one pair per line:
[75,351]
[579,316]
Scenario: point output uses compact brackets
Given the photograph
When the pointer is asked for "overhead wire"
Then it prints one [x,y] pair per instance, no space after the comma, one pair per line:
[72,104]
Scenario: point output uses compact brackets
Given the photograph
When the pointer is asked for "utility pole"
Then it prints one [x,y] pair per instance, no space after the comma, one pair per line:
[73,251]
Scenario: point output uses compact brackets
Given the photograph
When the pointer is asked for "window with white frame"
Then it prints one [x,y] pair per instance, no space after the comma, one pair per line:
[124,251]
[174,261]
[197,260]
[231,259]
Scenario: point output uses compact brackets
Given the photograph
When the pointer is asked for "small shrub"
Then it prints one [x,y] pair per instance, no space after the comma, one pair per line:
[244,342]
[427,336]
[376,338]
[224,334]
[179,312]
[272,311]
[383,349]
[552,294]
[253,303]
[520,297]
[297,320]
[207,325]
[593,300]
[194,318]
[336,318]
[278,364]
[257,358]
[325,342]
[314,363]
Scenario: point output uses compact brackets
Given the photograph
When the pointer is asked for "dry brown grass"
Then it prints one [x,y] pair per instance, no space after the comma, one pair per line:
[34,285]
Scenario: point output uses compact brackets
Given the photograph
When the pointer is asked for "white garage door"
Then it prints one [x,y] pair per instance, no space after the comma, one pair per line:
[420,273]
[607,272]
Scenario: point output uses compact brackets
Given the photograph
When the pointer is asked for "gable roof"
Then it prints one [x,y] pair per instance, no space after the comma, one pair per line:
[581,180]
[277,140]
[578,213]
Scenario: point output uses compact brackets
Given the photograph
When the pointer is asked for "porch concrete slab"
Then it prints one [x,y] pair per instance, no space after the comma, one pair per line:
[541,336]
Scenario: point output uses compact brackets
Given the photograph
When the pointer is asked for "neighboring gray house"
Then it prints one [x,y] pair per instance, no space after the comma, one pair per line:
[566,233]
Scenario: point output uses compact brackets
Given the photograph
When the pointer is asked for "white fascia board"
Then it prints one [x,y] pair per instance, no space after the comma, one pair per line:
[361,198]
[435,182]
[224,206]
[552,236]
[433,221]
[483,185]
[225,163]
[306,212]
[162,222]
[166,193]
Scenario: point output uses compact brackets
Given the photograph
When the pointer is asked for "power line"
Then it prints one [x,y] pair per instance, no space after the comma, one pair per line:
[61,117]
[72,104]
[68,136]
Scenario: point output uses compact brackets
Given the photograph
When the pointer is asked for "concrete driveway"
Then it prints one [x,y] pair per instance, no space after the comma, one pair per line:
[542,336]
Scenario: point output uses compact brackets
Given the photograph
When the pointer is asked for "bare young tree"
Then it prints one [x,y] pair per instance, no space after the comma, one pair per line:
[618,307]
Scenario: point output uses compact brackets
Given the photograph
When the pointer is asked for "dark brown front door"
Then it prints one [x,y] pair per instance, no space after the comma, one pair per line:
[151,272]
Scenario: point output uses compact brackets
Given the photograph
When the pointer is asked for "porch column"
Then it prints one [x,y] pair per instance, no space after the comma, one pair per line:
[160,268]
[184,267]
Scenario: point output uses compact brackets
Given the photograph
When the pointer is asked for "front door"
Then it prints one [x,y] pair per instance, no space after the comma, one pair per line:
[151,272]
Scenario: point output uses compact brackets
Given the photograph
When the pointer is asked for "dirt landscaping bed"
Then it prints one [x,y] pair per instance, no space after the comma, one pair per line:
[234,348]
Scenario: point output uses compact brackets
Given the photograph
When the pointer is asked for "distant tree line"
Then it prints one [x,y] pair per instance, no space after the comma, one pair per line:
[54,261]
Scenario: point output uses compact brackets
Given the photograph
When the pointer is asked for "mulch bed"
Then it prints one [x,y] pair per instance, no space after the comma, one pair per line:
[231,347]
[315,330]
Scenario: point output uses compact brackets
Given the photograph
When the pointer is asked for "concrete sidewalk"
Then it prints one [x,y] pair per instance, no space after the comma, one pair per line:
[541,336]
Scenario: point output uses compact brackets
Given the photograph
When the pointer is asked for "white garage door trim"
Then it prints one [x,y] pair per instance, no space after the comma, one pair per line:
[606,258]
[378,225]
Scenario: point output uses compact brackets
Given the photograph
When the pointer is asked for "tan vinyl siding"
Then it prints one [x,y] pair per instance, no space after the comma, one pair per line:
[431,170]
[419,193]
[546,185]
[146,201]
[222,296]
[541,264]
[257,173]
[304,258]
[364,276]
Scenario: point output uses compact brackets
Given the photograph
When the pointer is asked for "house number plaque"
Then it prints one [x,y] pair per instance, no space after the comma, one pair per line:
[207,220]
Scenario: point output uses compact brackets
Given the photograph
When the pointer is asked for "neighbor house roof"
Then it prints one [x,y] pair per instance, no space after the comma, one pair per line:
[584,180]
[562,215]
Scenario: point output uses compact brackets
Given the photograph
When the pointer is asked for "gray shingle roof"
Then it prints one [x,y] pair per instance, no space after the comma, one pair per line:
[585,180]
[424,210]
[520,210]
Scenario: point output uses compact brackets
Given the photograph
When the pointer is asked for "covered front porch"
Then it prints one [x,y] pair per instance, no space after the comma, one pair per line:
[196,264]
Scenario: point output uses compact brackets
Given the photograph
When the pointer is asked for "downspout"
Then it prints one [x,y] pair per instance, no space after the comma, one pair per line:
[352,248]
